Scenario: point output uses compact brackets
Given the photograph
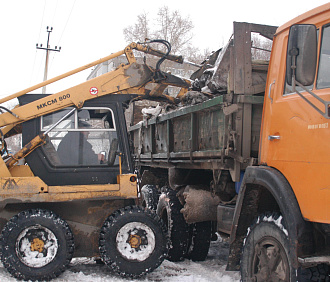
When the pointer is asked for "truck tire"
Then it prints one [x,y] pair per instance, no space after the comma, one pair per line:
[200,239]
[168,210]
[133,242]
[320,273]
[36,244]
[267,255]
[149,197]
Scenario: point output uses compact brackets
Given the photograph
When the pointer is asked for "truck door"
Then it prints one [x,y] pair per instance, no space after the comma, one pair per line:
[295,137]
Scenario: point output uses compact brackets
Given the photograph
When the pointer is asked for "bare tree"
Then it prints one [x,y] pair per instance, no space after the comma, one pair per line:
[262,48]
[140,31]
[168,25]
[175,29]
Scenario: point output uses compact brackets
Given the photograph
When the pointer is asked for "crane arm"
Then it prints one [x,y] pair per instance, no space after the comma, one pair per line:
[126,79]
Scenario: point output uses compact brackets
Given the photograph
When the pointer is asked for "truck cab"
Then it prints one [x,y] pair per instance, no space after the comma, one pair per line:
[295,136]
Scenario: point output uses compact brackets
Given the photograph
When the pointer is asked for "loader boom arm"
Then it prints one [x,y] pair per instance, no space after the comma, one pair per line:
[126,79]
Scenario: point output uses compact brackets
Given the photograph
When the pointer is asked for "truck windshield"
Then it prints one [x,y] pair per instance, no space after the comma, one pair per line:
[323,77]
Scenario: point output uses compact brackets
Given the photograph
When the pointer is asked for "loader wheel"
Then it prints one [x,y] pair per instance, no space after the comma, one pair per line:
[36,244]
[267,255]
[199,240]
[133,242]
[149,197]
[168,210]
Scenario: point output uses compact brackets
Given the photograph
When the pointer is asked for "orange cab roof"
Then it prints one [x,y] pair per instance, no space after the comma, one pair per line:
[305,16]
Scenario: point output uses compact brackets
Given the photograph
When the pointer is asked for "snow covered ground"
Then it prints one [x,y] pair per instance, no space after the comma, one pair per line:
[212,269]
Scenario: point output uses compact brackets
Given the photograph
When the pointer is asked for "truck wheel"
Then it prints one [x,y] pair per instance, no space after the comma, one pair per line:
[200,239]
[320,273]
[267,255]
[36,244]
[149,197]
[133,242]
[168,210]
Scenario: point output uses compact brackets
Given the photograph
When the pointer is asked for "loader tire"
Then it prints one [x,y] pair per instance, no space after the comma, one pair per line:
[36,244]
[133,242]
[149,197]
[199,241]
[168,210]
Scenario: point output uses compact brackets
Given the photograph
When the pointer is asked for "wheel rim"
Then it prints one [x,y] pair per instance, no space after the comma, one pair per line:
[36,246]
[135,241]
[270,262]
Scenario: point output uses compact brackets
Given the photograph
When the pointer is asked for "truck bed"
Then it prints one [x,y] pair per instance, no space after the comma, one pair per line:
[197,136]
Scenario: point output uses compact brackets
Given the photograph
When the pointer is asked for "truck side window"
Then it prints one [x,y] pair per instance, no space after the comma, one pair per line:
[82,139]
[323,76]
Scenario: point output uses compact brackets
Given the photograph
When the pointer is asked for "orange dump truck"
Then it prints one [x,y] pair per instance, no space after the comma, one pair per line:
[254,161]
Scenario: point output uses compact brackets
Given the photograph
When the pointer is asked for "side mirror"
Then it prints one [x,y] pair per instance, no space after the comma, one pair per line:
[301,54]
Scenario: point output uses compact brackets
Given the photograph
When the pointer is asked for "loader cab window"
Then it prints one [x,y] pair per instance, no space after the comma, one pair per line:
[87,137]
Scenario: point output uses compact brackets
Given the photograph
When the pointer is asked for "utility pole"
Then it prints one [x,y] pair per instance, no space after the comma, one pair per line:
[49,30]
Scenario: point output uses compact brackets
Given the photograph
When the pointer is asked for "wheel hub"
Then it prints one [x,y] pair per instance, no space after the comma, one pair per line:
[37,245]
[134,241]
[270,263]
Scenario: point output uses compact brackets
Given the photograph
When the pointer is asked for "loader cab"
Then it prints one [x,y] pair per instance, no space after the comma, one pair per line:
[83,148]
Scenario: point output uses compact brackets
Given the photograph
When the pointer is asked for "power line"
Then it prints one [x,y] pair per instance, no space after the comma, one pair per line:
[35,55]
[55,12]
[67,20]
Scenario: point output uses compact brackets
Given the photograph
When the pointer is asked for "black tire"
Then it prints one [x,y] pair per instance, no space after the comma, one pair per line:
[36,244]
[267,241]
[133,242]
[320,273]
[168,210]
[199,241]
[150,197]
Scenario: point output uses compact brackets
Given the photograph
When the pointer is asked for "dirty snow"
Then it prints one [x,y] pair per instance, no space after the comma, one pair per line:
[212,269]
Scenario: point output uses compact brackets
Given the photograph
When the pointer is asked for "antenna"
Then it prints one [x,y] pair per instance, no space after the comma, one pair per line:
[57,49]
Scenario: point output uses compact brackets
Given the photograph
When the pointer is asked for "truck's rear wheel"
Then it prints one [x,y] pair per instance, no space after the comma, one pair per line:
[200,239]
[36,245]
[168,210]
[133,242]
[267,255]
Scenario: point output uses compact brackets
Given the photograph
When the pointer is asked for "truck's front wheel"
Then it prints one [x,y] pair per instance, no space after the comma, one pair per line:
[133,242]
[36,245]
[267,255]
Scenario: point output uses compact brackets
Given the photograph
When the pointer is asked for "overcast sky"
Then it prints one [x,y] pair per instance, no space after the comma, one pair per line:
[91,29]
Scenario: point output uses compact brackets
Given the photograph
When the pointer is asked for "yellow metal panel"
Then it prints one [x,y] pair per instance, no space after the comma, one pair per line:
[21,171]
[21,186]
[33,189]
[128,188]
[83,188]
[4,172]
